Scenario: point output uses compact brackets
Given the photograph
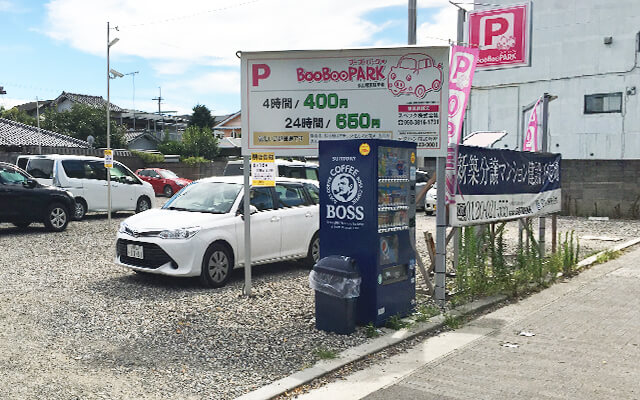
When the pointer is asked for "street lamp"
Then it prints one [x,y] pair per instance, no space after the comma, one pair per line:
[116,74]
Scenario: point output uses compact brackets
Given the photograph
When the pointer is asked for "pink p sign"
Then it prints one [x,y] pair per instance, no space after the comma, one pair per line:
[259,71]
[501,35]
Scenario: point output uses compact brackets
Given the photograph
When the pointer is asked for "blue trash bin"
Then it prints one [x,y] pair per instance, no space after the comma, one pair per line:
[336,281]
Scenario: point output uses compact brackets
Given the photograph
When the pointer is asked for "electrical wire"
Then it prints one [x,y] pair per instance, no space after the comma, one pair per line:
[199,14]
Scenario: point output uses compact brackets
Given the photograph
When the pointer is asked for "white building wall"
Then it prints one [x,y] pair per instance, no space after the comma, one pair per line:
[570,60]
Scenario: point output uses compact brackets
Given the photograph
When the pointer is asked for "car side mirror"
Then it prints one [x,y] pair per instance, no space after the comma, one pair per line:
[252,210]
[30,183]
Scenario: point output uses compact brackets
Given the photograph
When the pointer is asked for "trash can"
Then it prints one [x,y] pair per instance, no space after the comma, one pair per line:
[336,281]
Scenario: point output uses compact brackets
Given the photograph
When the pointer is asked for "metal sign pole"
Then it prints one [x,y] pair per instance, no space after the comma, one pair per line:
[441,232]
[545,144]
[247,227]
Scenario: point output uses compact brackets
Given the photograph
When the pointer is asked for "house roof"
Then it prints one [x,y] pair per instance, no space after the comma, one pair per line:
[93,101]
[226,120]
[14,133]
[132,136]
[230,143]
[31,106]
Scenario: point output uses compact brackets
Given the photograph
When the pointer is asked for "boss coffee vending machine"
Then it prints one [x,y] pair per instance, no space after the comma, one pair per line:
[367,211]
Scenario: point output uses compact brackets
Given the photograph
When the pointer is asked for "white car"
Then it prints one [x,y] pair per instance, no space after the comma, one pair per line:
[200,230]
[430,200]
[86,178]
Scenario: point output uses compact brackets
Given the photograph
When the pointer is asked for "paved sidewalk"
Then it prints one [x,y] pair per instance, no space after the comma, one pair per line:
[586,346]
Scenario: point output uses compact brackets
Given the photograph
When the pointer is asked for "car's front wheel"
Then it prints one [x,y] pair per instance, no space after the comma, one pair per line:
[80,210]
[168,191]
[217,265]
[57,217]
[143,204]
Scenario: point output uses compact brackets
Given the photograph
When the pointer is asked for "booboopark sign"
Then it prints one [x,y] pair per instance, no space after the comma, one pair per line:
[291,100]
[502,35]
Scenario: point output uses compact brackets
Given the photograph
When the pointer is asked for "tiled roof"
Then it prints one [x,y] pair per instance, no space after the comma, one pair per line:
[227,118]
[133,135]
[93,101]
[16,134]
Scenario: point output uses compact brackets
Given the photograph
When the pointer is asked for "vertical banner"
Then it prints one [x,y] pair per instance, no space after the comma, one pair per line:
[531,136]
[463,65]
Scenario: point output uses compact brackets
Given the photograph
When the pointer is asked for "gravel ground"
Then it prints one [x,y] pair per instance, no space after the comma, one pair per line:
[74,325]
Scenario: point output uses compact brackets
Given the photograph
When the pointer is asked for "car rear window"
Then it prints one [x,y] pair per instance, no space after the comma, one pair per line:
[312,173]
[40,168]
[290,196]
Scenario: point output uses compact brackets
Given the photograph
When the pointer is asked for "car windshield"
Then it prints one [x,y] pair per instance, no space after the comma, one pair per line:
[207,197]
[11,176]
[166,174]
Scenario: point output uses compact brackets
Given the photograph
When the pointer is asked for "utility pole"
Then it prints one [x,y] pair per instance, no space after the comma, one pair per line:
[159,99]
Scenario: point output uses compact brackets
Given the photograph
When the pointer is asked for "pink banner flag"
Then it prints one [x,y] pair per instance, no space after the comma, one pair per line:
[462,67]
[531,136]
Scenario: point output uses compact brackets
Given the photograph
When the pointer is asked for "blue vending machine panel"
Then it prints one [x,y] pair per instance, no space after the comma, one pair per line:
[367,211]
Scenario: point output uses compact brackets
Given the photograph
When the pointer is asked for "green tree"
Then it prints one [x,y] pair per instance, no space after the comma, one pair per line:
[82,121]
[171,147]
[199,142]
[15,114]
[201,117]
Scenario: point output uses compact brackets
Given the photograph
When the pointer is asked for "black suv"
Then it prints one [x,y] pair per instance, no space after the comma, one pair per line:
[23,200]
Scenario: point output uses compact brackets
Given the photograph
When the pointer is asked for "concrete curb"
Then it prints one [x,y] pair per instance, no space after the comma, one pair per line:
[390,338]
[594,258]
[350,355]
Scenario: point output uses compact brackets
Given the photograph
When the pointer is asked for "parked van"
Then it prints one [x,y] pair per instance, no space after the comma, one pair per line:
[286,169]
[86,178]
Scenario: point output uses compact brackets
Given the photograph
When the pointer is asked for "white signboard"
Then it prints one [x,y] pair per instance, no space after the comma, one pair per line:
[292,100]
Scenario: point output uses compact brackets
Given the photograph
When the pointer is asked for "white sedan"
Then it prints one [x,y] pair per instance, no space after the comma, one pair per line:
[200,231]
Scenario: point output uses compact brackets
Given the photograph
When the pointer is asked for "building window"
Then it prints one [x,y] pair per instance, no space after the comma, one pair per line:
[603,103]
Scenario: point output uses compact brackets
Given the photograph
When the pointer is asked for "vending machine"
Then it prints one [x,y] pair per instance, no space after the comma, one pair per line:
[367,211]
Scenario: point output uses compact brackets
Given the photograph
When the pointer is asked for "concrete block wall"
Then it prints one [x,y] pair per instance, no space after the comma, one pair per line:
[601,188]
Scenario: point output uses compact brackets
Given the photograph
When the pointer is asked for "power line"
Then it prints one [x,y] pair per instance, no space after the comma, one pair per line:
[199,14]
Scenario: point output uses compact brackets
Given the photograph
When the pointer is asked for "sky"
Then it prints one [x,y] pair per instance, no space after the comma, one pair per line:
[185,51]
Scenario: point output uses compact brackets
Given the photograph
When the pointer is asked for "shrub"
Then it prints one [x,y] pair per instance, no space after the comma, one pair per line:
[148,158]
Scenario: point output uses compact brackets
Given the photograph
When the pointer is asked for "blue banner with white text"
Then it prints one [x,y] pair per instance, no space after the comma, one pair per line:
[497,185]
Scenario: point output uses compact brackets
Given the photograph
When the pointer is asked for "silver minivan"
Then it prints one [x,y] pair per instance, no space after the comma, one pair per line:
[86,178]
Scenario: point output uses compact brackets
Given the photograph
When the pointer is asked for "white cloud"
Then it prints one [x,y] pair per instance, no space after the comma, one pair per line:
[441,30]
[183,37]
[211,31]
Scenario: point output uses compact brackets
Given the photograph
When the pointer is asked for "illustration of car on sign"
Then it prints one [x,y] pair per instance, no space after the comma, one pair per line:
[417,74]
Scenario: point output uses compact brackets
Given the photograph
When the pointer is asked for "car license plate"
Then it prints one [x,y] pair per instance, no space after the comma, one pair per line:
[135,251]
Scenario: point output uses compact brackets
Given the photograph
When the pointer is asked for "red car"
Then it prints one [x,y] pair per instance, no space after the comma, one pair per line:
[163,181]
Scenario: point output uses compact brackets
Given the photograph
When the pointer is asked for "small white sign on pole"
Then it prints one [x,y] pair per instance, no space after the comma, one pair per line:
[263,169]
[108,158]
